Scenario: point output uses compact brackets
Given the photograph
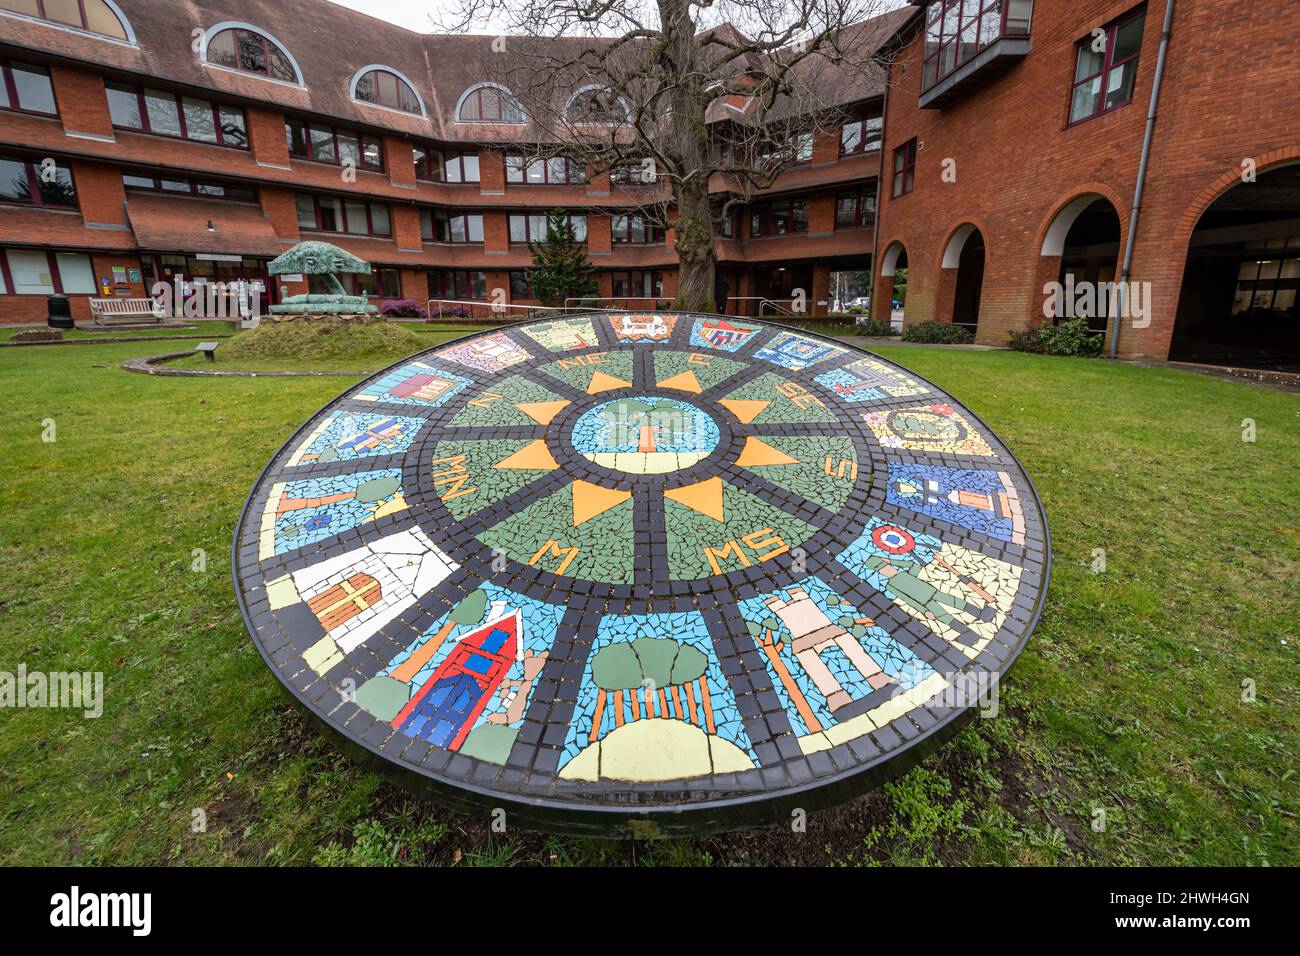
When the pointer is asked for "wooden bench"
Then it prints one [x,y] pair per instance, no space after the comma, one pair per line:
[101,310]
[208,349]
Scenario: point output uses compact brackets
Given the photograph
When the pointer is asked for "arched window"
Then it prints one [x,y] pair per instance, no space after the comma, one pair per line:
[93,16]
[385,87]
[596,105]
[249,50]
[488,103]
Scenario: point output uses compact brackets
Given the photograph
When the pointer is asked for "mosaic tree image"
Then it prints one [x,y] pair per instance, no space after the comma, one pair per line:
[657,89]
[649,561]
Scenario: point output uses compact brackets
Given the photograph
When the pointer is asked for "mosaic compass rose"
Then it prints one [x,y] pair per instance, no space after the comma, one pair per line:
[623,565]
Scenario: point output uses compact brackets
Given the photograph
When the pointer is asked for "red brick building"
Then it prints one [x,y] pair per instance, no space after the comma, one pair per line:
[137,147]
[1014,134]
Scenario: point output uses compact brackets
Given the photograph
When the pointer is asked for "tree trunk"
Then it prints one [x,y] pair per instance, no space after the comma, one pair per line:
[694,245]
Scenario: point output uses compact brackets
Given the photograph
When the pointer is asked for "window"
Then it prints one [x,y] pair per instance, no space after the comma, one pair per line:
[488,104]
[461,284]
[520,286]
[855,208]
[1104,80]
[444,166]
[778,218]
[40,272]
[194,187]
[327,214]
[439,225]
[386,88]
[956,30]
[797,150]
[637,285]
[640,172]
[93,16]
[378,282]
[726,226]
[26,88]
[325,144]
[251,52]
[861,136]
[532,227]
[164,113]
[904,168]
[557,170]
[596,106]
[635,229]
[32,182]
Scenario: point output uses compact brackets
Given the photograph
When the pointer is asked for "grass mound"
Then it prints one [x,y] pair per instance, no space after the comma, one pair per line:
[337,343]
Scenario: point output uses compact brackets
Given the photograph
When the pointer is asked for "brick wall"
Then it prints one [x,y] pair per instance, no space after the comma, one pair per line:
[1018,164]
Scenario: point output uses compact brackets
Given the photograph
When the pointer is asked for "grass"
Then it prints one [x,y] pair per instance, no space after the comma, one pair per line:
[1129,700]
[201,328]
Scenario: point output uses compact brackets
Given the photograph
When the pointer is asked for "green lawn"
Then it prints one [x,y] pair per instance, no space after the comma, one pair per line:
[1128,699]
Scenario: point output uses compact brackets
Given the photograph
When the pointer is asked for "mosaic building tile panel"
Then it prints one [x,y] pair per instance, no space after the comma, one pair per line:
[415,383]
[664,565]
[357,435]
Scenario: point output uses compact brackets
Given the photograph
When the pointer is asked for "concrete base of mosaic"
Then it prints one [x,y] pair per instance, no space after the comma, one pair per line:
[642,573]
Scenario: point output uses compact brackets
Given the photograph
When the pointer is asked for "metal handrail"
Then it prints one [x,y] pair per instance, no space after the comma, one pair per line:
[610,298]
[496,307]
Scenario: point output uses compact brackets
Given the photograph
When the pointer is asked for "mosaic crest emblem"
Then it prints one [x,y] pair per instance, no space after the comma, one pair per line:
[621,568]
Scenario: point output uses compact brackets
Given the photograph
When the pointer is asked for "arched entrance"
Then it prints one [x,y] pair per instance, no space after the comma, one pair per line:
[889,299]
[1085,236]
[965,253]
[1238,304]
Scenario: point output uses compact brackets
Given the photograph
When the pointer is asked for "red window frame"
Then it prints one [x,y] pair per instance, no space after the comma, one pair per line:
[441,220]
[870,138]
[56,276]
[864,208]
[266,56]
[652,234]
[85,21]
[521,285]
[343,211]
[476,95]
[1107,65]
[352,283]
[575,173]
[763,218]
[146,127]
[527,218]
[455,281]
[635,279]
[425,169]
[401,85]
[904,178]
[194,187]
[309,153]
[34,185]
[11,88]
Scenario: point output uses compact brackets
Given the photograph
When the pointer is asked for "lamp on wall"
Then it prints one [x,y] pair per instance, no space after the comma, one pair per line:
[211,227]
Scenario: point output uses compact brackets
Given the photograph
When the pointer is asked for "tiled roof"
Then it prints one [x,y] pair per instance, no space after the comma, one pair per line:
[176,222]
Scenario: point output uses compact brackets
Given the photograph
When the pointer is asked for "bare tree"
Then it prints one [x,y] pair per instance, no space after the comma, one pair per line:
[692,105]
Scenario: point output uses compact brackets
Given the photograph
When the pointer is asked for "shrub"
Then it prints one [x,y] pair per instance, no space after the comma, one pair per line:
[402,309]
[1072,337]
[451,312]
[873,327]
[938,333]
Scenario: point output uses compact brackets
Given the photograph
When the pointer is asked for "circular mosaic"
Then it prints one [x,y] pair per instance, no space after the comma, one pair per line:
[642,573]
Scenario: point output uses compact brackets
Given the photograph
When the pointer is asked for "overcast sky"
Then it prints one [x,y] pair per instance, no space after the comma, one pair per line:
[414,14]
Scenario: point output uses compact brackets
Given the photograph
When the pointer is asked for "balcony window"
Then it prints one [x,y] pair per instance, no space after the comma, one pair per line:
[445,166]
[861,136]
[957,30]
[533,227]
[647,284]
[439,225]
[554,171]
[856,208]
[164,113]
[325,144]
[778,218]
[26,89]
[904,169]
[635,230]
[30,182]
[457,284]
[1104,80]
[204,188]
[328,214]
